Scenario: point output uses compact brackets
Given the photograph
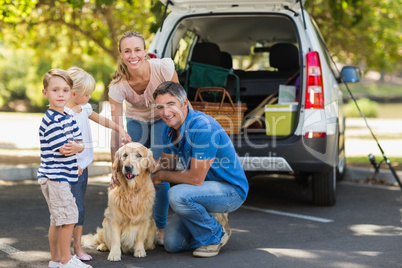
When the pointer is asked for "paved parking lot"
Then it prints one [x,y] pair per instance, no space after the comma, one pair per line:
[277,227]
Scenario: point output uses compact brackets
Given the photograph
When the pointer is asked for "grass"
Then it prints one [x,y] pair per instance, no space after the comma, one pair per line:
[378,136]
[363,161]
[360,159]
[384,110]
[368,107]
[374,89]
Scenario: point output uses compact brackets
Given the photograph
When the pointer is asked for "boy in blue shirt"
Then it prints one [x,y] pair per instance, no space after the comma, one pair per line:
[200,159]
[60,140]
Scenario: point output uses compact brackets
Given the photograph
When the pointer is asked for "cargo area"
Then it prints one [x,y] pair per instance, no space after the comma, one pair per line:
[254,57]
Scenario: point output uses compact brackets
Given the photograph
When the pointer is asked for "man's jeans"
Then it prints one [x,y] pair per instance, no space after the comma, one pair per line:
[193,225]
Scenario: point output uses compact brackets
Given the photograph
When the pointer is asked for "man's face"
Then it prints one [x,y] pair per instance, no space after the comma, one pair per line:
[171,111]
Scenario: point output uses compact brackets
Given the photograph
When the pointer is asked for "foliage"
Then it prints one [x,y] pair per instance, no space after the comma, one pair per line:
[21,77]
[64,33]
[85,33]
[364,32]
[13,74]
[368,107]
[76,27]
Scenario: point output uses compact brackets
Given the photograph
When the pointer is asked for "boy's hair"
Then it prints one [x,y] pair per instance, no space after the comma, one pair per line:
[57,73]
[122,71]
[173,88]
[84,83]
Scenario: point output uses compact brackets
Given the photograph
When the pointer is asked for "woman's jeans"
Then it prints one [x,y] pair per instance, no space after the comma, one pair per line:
[149,134]
[193,225]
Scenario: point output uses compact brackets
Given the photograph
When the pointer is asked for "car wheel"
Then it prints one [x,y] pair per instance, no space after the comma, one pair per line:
[324,188]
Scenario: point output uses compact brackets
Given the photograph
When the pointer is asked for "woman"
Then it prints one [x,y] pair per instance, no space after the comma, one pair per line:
[134,82]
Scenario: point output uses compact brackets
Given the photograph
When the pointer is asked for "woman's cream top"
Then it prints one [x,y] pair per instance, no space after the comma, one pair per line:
[142,107]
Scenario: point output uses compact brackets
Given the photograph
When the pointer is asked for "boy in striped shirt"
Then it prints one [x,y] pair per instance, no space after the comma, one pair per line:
[60,140]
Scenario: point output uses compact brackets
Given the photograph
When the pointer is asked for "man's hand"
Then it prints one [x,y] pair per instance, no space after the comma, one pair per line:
[114,181]
[71,148]
[156,177]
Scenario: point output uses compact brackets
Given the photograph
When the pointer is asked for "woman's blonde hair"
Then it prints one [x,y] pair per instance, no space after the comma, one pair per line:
[122,71]
[84,83]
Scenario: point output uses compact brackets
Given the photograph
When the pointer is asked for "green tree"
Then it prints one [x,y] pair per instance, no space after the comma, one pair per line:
[85,33]
[357,31]
[69,32]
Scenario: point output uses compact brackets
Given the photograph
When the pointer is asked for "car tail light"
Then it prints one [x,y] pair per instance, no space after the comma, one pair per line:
[314,89]
[152,55]
[312,135]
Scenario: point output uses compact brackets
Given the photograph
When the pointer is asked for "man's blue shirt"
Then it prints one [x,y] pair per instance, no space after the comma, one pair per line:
[202,137]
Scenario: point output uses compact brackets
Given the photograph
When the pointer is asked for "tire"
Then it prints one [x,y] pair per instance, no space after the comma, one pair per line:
[324,188]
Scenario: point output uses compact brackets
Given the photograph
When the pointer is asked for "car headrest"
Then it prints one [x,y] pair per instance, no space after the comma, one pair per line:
[226,60]
[207,53]
[284,56]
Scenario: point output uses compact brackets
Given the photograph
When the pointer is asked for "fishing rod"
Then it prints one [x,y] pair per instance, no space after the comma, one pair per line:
[371,156]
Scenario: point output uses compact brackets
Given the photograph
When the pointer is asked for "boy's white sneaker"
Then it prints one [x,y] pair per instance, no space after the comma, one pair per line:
[74,262]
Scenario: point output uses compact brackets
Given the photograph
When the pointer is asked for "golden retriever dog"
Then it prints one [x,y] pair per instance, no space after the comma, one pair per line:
[128,225]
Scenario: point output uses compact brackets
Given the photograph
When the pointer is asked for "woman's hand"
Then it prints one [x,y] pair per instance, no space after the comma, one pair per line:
[114,181]
[125,138]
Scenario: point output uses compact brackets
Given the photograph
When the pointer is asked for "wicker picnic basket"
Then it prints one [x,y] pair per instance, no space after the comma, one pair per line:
[228,115]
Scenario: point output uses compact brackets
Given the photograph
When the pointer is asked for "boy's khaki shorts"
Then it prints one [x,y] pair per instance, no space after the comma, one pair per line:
[61,202]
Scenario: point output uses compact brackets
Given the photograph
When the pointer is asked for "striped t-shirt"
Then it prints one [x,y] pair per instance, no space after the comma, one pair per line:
[55,130]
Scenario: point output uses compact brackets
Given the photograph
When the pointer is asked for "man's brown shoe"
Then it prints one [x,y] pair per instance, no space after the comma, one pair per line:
[211,250]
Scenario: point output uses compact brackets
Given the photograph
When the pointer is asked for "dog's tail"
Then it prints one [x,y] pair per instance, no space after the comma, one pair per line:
[91,240]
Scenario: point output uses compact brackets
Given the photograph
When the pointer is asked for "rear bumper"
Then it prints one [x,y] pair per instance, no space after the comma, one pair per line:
[291,154]
[261,163]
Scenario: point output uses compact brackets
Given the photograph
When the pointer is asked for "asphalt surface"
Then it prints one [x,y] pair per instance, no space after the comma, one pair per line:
[276,227]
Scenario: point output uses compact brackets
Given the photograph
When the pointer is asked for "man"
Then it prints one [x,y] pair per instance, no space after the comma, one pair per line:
[199,159]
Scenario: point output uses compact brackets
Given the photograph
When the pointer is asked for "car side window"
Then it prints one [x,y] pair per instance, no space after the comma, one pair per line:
[183,51]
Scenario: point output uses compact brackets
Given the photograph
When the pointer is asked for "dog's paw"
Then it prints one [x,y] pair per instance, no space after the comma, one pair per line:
[114,256]
[149,246]
[102,247]
[140,253]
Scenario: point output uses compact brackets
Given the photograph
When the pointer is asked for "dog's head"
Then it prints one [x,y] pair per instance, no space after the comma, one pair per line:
[132,160]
